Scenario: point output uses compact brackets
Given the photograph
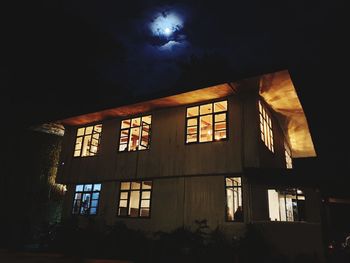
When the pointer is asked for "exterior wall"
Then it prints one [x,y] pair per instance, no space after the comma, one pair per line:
[168,154]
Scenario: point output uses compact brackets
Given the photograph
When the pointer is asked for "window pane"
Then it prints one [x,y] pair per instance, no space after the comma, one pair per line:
[220,126]
[124,195]
[229,182]
[134,139]
[86,146]
[98,128]
[94,203]
[93,211]
[97,187]
[274,211]
[125,185]
[229,204]
[136,122]
[125,124]
[192,122]
[146,195]
[220,117]
[193,111]
[192,130]
[88,187]
[123,203]
[88,130]
[78,143]
[206,128]
[145,203]
[80,132]
[135,185]
[79,188]
[147,119]
[206,108]
[220,106]
[134,204]
[76,206]
[219,135]
[144,212]
[95,195]
[77,196]
[146,184]
[123,147]
[191,138]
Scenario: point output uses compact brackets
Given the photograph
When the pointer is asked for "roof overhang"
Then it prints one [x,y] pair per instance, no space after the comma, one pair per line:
[276,88]
[278,91]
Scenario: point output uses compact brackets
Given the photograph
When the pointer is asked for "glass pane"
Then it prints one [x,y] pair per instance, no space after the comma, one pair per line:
[125,185]
[77,153]
[206,108]
[134,139]
[88,187]
[236,181]
[97,187]
[144,212]
[274,210]
[147,185]
[88,130]
[220,117]
[96,137]
[79,188]
[145,203]
[192,122]
[98,128]
[94,203]
[135,185]
[77,196]
[95,195]
[146,195]
[134,203]
[124,195]
[206,128]
[220,106]
[229,182]
[191,138]
[192,130]
[123,203]
[229,204]
[219,135]
[193,111]
[125,124]
[147,119]
[123,147]
[80,131]
[220,126]
[86,146]
[76,206]
[136,122]
[78,143]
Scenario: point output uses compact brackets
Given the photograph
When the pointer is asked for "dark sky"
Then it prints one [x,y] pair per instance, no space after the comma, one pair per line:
[62,58]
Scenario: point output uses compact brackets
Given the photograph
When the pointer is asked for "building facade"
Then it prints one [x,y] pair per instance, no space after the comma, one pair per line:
[222,153]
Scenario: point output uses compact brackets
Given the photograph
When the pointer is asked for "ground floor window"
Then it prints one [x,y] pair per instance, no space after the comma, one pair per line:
[234,209]
[286,205]
[86,199]
[135,199]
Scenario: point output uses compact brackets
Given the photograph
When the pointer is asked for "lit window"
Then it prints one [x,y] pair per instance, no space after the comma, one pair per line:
[289,164]
[88,140]
[266,127]
[135,134]
[206,123]
[135,199]
[286,205]
[234,209]
[86,199]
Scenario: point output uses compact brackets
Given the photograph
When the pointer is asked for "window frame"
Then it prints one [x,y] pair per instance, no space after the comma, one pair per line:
[120,132]
[270,136]
[82,192]
[213,120]
[93,129]
[128,199]
[284,189]
[242,199]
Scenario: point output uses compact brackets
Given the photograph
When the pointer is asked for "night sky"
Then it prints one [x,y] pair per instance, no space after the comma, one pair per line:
[64,58]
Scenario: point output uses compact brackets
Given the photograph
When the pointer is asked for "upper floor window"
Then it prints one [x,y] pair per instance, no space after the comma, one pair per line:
[289,164]
[135,134]
[286,205]
[206,122]
[135,199]
[88,140]
[234,210]
[86,199]
[266,127]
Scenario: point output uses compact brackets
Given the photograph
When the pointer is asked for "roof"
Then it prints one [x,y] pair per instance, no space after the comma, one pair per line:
[276,88]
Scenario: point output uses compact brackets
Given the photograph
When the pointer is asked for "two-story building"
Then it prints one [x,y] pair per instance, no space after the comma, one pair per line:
[221,153]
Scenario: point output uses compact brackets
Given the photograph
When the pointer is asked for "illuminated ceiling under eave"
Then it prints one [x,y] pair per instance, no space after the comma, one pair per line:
[278,91]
